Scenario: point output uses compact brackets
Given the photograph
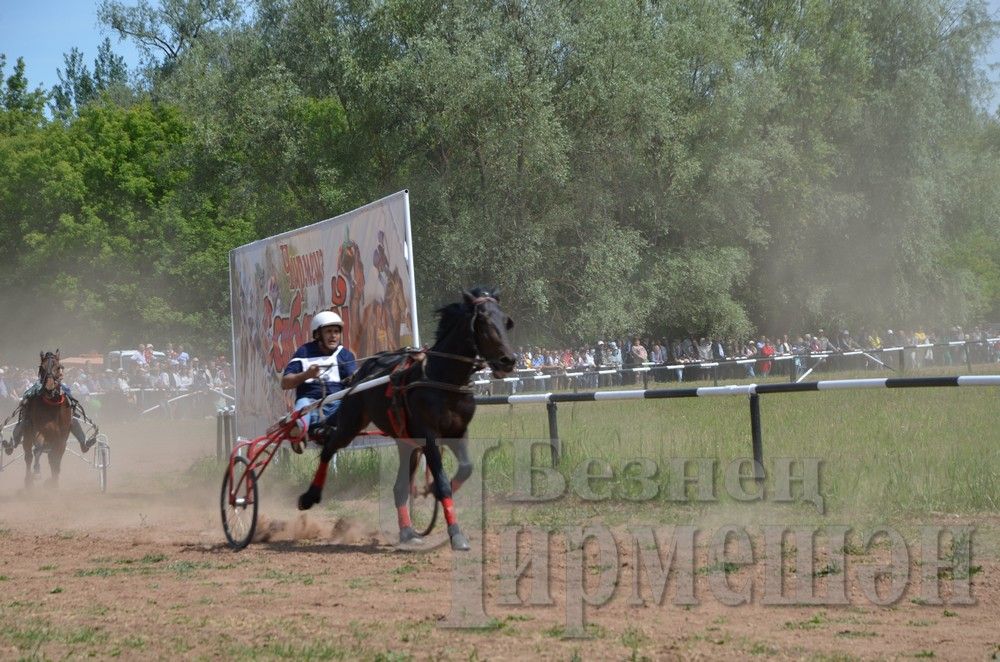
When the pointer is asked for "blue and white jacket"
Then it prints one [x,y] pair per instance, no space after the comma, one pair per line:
[340,365]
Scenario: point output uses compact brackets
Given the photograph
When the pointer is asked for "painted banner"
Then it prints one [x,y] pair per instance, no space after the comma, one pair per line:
[359,265]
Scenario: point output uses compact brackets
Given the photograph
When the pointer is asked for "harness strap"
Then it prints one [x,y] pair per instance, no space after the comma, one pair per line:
[55,403]
[396,394]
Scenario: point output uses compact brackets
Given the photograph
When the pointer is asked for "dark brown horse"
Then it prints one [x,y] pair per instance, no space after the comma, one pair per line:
[429,402]
[46,419]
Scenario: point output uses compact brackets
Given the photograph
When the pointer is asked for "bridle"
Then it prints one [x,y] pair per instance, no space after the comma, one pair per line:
[477,360]
[49,369]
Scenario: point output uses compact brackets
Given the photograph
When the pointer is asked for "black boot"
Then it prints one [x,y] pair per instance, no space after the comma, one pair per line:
[15,437]
[77,429]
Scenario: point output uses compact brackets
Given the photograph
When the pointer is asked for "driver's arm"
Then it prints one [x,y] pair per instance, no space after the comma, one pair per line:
[292,380]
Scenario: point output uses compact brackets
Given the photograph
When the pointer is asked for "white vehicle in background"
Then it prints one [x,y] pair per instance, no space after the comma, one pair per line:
[126,359]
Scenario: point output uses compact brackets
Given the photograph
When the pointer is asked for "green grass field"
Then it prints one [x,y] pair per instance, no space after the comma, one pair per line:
[897,457]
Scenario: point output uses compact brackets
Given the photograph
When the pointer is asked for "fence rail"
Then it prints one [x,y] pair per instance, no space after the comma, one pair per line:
[795,366]
[753,391]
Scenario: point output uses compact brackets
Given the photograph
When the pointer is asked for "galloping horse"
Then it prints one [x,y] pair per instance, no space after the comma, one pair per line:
[428,400]
[46,419]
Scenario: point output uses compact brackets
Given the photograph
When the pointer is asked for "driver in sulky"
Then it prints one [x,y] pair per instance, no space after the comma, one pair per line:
[317,369]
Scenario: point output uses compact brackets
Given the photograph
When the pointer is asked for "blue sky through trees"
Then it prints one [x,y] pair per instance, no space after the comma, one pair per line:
[43,30]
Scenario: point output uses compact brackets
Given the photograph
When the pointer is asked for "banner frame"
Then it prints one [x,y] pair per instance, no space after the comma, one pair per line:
[408,254]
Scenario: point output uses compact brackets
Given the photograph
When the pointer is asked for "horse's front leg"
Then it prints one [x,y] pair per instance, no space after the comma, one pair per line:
[314,493]
[351,418]
[29,455]
[442,490]
[55,462]
[460,447]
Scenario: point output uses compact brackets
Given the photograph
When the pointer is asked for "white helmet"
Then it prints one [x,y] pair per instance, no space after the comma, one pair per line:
[325,318]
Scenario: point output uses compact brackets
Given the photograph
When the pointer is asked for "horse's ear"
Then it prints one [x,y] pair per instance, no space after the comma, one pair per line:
[496,294]
[468,296]
[41,356]
[57,354]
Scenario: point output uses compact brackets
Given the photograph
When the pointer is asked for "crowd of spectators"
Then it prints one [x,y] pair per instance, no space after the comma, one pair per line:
[173,369]
[636,351]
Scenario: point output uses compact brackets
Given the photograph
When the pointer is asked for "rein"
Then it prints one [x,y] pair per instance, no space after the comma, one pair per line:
[476,361]
[422,382]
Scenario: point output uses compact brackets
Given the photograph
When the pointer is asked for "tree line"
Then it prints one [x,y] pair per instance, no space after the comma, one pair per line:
[711,167]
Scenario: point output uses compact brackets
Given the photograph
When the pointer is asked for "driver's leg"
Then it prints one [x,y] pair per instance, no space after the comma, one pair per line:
[305,422]
[330,410]
[18,433]
[77,429]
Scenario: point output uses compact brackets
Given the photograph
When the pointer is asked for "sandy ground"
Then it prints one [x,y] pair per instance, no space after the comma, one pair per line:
[142,572]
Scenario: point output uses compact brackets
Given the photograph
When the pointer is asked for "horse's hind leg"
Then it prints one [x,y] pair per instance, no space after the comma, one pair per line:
[408,460]
[351,418]
[55,463]
[442,490]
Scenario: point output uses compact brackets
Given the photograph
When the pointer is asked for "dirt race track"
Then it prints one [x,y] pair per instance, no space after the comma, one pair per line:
[142,572]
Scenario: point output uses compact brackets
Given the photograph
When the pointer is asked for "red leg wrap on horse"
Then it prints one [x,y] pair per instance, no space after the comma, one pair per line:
[404,517]
[449,510]
[319,480]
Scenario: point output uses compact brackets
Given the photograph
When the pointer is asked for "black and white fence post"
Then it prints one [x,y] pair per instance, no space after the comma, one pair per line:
[554,447]
[757,439]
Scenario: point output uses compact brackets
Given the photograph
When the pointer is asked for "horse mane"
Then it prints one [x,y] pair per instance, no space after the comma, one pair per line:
[454,313]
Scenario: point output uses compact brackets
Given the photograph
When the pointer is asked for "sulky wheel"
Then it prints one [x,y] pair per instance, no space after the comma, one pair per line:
[423,503]
[238,502]
[102,460]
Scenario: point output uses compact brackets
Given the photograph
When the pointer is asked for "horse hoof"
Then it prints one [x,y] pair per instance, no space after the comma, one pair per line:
[309,498]
[459,542]
[408,536]
[87,445]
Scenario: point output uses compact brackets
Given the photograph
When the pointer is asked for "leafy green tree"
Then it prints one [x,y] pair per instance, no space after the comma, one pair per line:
[21,108]
[164,33]
[78,87]
[724,167]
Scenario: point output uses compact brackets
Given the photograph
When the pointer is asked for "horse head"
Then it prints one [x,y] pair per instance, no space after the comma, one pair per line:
[50,371]
[489,325]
